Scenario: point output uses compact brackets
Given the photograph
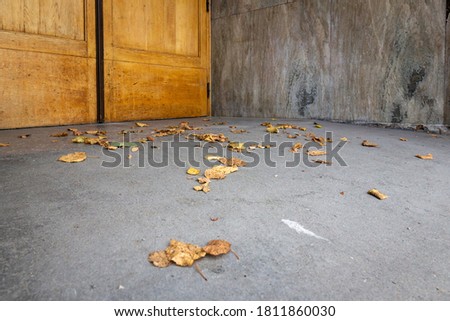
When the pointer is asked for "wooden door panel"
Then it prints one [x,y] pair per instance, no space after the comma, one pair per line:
[47,62]
[157,55]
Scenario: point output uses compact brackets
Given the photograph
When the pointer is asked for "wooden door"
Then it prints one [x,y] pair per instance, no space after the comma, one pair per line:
[47,62]
[156,59]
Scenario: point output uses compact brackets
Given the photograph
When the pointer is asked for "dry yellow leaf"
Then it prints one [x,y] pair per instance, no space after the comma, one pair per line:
[427,156]
[403,139]
[203,180]
[185,125]
[141,125]
[220,172]
[213,157]
[217,247]
[316,152]
[291,136]
[159,259]
[79,140]
[92,141]
[303,129]
[366,143]
[238,131]
[272,130]
[322,161]
[236,146]
[4,144]
[25,136]
[344,139]
[92,132]
[184,254]
[377,194]
[296,147]
[193,171]
[134,149]
[285,126]
[73,158]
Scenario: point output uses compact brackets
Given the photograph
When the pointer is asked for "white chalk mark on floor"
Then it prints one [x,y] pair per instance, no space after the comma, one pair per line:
[300,229]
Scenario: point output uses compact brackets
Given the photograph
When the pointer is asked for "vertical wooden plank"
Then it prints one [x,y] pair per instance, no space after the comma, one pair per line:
[154,24]
[31,16]
[187,27]
[11,15]
[129,23]
[170,7]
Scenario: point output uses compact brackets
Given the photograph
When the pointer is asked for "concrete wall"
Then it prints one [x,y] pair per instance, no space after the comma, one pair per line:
[447,106]
[350,60]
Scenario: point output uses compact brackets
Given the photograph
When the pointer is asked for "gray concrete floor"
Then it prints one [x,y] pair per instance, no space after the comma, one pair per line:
[83,231]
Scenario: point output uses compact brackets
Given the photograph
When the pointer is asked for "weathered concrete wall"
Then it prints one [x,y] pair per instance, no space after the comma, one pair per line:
[351,60]
[447,106]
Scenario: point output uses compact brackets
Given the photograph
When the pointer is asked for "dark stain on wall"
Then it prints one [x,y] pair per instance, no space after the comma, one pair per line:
[302,89]
[417,75]
[397,115]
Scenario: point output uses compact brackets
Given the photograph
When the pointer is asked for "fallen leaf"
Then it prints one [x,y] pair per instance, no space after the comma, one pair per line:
[403,139]
[296,147]
[150,138]
[79,140]
[193,171]
[220,123]
[377,194]
[4,145]
[159,259]
[214,219]
[92,132]
[25,136]
[62,134]
[238,131]
[344,139]
[318,126]
[427,156]
[236,146]
[266,124]
[303,129]
[134,149]
[366,143]
[321,161]
[342,193]
[272,130]
[92,141]
[73,158]
[219,171]
[203,180]
[316,152]
[233,161]
[290,136]
[285,126]
[167,132]
[203,188]
[141,125]
[217,247]
[184,254]
[123,144]
[75,131]
[185,125]
[212,138]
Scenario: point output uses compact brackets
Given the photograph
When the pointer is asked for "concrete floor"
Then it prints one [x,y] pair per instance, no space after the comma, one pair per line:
[83,231]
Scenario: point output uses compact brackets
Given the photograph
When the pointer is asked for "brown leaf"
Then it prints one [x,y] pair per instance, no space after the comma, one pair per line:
[25,136]
[285,126]
[203,180]
[342,193]
[234,161]
[79,140]
[184,254]
[316,152]
[238,131]
[321,161]
[4,145]
[185,125]
[73,158]
[293,136]
[92,132]
[377,194]
[214,219]
[141,125]
[92,141]
[427,156]
[366,143]
[217,247]
[403,139]
[150,138]
[220,172]
[296,147]
[159,259]
[221,138]
[63,134]
[203,188]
